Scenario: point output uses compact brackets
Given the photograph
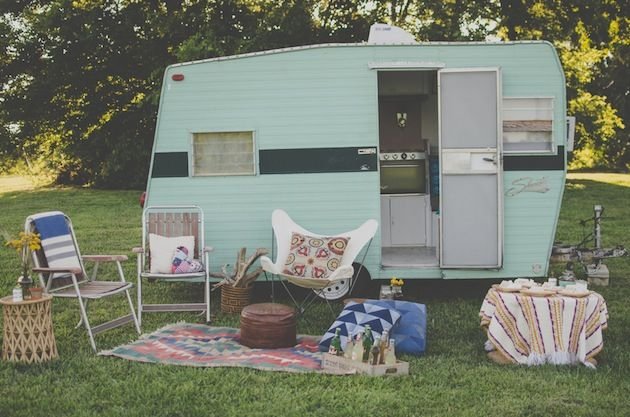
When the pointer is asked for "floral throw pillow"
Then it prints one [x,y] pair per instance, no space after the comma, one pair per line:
[314,257]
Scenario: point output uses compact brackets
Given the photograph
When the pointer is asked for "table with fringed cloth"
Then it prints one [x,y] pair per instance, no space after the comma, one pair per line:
[537,330]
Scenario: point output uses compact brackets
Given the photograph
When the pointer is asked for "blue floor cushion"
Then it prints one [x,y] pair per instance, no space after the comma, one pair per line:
[353,319]
[411,329]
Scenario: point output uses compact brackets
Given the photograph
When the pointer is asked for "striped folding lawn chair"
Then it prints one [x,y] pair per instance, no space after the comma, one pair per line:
[173,250]
[62,273]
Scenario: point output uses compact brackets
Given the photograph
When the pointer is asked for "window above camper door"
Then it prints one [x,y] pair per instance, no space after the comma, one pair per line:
[528,125]
[223,153]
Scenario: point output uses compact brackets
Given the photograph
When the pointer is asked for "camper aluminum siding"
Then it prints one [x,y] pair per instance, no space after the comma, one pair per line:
[325,97]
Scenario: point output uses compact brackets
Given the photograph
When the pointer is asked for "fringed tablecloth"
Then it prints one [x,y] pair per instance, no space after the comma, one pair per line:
[537,330]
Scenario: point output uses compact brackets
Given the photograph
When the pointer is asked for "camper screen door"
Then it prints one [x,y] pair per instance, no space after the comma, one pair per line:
[471,212]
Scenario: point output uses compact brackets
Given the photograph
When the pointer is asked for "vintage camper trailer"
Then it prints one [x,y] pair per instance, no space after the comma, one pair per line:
[459,149]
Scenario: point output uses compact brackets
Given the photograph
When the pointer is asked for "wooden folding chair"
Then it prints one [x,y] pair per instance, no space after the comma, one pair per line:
[173,222]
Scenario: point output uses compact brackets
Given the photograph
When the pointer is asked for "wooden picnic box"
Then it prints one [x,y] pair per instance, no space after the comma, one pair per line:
[343,365]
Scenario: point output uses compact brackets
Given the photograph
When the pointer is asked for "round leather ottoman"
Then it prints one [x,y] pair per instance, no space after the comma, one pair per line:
[268,325]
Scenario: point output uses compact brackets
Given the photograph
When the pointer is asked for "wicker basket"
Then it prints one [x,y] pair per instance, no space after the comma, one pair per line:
[233,299]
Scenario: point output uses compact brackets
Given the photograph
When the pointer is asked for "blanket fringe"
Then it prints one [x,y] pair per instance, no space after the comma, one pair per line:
[535,359]
[555,358]
[562,358]
[489,346]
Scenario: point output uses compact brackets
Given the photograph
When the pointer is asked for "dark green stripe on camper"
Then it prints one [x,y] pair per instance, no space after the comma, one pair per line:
[317,160]
[535,162]
[170,165]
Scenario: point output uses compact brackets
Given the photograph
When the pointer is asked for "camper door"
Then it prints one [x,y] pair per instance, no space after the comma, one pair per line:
[470,134]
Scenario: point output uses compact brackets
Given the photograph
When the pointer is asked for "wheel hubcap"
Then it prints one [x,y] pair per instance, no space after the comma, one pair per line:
[335,291]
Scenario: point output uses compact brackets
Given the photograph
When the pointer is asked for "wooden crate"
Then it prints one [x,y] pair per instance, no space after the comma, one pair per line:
[342,365]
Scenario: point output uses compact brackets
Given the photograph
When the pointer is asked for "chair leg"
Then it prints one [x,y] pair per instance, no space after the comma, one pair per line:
[312,297]
[95,271]
[302,306]
[207,297]
[136,322]
[139,301]
[308,300]
[80,323]
[295,302]
[87,323]
[320,294]
[121,274]
[273,295]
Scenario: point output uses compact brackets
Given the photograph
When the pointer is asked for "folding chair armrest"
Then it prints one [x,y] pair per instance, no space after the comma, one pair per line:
[72,270]
[137,250]
[105,258]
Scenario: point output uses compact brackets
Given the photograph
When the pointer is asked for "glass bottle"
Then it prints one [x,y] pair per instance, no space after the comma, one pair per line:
[335,344]
[357,353]
[17,294]
[349,349]
[368,341]
[383,346]
[375,352]
[390,355]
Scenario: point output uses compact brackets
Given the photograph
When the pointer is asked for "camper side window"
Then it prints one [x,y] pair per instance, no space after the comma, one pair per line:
[223,153]
[527,124]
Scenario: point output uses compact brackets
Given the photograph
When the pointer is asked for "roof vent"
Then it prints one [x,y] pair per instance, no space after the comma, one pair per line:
[380,33]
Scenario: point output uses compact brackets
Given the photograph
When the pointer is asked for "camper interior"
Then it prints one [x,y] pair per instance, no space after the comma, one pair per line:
[409,176]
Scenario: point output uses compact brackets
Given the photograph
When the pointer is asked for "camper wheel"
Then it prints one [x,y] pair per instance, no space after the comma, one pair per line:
[343,287]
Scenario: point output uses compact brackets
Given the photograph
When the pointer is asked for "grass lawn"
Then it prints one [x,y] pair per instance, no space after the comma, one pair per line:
[453,378]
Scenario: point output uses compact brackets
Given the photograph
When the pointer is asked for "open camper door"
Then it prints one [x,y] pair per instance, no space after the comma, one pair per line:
[470,134]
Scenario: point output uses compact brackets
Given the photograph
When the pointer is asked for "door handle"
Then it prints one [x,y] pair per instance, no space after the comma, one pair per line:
[493,159]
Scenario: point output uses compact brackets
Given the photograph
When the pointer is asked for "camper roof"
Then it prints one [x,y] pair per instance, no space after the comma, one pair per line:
[346,45]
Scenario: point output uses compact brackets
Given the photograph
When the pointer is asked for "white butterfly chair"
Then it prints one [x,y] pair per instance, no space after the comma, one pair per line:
[62,273]
[339,282]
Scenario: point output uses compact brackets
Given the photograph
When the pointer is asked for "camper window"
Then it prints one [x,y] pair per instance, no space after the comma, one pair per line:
[223,153]
[527,124]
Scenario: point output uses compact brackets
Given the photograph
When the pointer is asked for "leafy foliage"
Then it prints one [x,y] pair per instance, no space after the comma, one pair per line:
[82,77]
[594,46]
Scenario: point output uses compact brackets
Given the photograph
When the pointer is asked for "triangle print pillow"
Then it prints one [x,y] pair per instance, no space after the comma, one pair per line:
[353,319]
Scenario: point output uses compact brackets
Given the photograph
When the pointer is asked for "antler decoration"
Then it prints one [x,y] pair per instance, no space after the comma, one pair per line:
[239,277]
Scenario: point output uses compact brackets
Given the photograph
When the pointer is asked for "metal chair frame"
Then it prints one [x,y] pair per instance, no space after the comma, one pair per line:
[75,282]
[173,221]
[283,226]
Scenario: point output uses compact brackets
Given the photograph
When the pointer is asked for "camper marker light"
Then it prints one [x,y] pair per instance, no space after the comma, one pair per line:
[177,77]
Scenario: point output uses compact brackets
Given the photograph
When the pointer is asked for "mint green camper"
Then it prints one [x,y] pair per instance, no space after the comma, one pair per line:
[458,149]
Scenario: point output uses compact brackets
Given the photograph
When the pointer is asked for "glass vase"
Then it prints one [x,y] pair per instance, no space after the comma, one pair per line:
[26,282]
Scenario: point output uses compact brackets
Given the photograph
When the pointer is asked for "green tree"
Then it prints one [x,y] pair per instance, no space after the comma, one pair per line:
[593,41]
[82,81]
[82,77]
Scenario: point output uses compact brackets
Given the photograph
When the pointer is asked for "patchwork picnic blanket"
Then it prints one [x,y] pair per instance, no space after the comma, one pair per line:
[190,344]
[56,240]
[536,330]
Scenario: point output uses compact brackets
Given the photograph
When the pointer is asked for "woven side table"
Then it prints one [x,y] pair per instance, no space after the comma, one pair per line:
[28,330]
